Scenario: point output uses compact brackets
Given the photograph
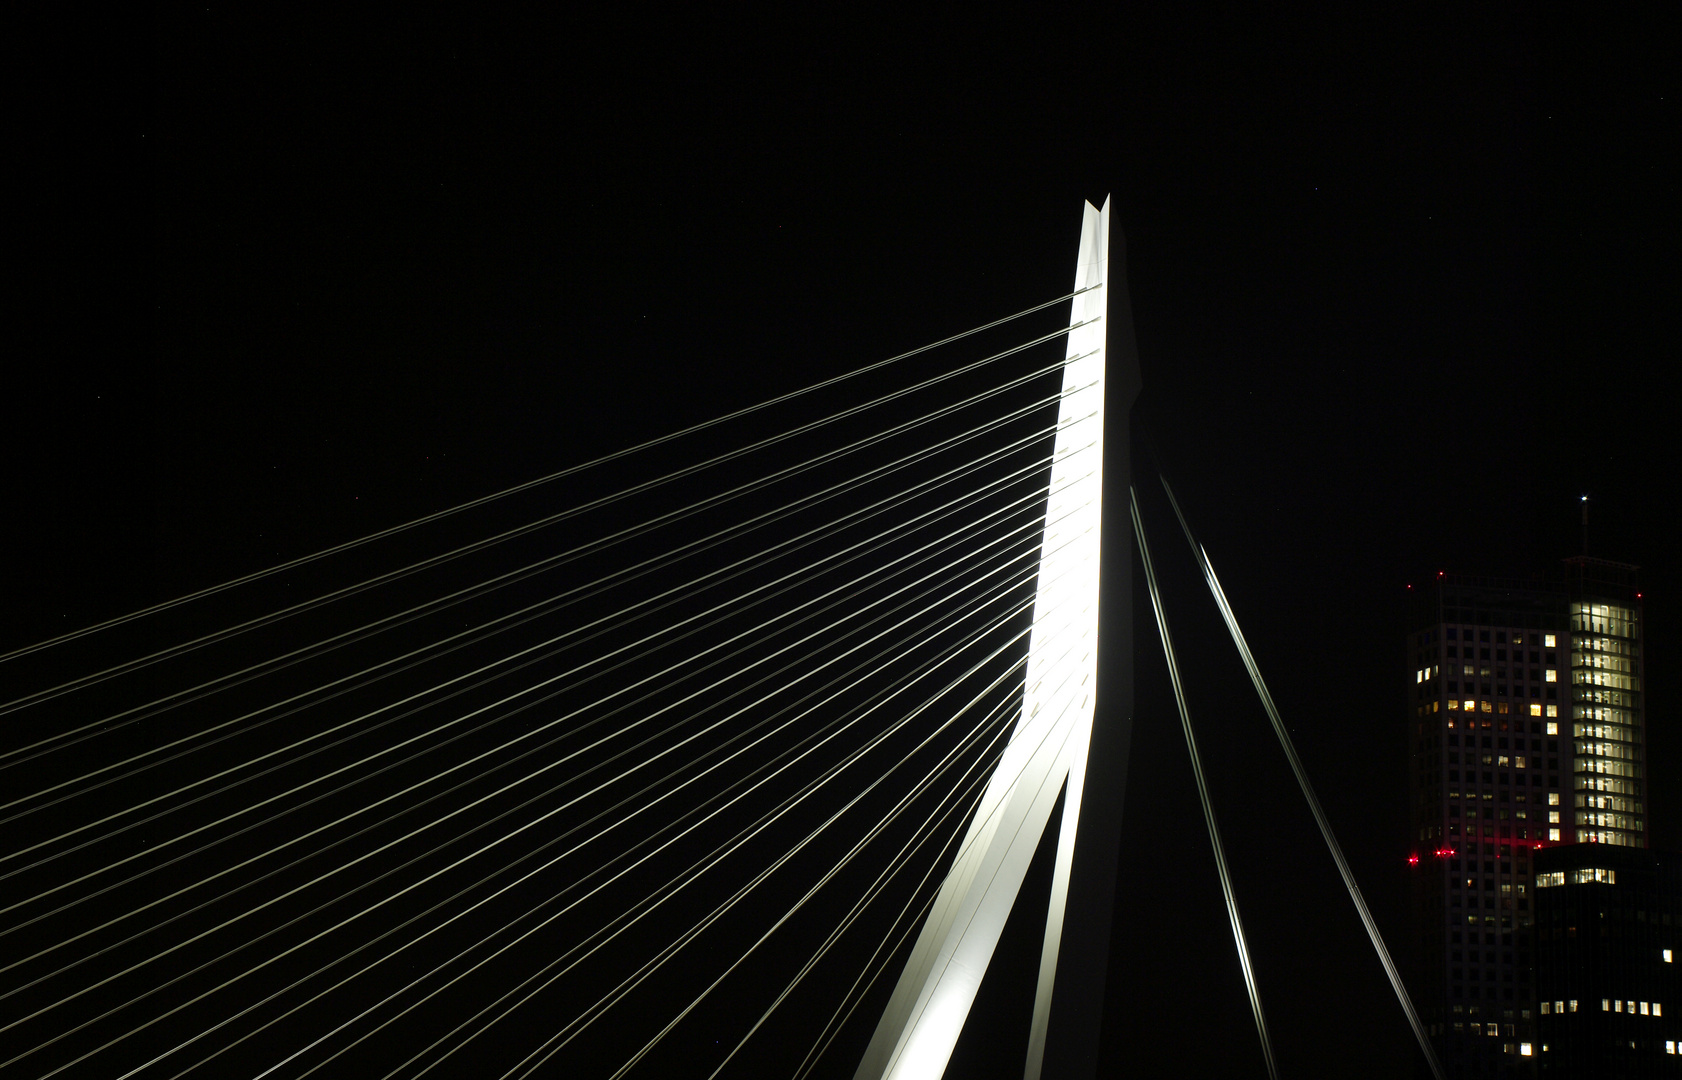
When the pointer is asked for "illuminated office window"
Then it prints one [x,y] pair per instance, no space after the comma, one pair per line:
[1553,834]
[1573,1004]
[1524,1049]
[1550,675]
[1667,956]
[1547,1006]
[1553,798]
[1535,710]
[1548,640]
[1553,710]
[1656,1010]
[1591,876]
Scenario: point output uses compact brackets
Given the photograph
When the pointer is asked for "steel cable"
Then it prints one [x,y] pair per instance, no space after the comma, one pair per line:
[148,993]
[527,485]
[1308,795]
[475,634]
[1203,790]
[477,545]
[851,552]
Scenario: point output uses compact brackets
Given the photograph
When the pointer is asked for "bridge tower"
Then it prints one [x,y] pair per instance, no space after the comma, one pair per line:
[1071,738]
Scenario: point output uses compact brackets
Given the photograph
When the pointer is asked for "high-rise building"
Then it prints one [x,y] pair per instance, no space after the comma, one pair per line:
[1526,732]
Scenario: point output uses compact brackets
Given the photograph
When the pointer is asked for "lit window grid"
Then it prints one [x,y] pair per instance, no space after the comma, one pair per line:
[1605,682]
[1496,714]
[1584,876]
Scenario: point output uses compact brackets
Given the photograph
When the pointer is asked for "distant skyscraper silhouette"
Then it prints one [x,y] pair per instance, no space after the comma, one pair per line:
[1526,732]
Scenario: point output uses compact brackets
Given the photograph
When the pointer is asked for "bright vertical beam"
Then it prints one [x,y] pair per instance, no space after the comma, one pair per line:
[1048,750]
[1086,500]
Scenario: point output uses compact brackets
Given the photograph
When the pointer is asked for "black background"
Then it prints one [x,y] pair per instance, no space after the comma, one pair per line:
[1404,281]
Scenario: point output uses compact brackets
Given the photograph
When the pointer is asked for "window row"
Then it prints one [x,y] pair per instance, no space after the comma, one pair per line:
[1506,832]
[1500,655]
[1612,619]
[1456,633]
[1606,705]
[1475,1028]
[1507,888]
[1501,707]
[1517,796]
[1584,876]
[1484,671]
[1500,741]
[1499,723]
[1616,1005]
[1500,761]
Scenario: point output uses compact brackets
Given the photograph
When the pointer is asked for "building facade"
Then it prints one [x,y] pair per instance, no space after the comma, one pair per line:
[1607,728]
[1608,929]
[1526,733]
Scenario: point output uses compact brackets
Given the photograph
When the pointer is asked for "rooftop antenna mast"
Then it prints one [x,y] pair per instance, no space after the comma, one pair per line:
[1585,501]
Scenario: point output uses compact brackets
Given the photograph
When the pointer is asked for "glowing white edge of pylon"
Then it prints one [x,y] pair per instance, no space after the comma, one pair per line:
[926,1013]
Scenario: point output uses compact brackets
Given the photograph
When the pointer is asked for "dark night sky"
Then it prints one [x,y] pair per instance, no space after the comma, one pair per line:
[1404,283]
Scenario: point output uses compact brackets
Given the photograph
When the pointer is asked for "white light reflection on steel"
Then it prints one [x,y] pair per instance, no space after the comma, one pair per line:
[932,999]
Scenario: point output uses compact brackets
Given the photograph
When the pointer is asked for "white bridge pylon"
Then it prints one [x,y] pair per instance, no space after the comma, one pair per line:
[1048,748]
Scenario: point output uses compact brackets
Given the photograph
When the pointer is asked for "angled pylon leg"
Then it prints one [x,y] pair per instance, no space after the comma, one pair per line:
[1048,751]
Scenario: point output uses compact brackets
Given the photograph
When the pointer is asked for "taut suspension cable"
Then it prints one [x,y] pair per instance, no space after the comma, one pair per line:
[1202,788]
[564,515]
[1308,795]
[527,485]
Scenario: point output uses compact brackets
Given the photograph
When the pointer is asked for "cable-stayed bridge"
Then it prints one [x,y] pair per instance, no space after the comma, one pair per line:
[726,754]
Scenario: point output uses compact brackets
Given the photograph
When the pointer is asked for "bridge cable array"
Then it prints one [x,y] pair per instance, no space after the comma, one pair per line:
[703,776]
[752,723]
[525,486]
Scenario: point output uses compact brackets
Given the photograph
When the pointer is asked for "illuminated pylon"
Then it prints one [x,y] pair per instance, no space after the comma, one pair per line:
[1047,755]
